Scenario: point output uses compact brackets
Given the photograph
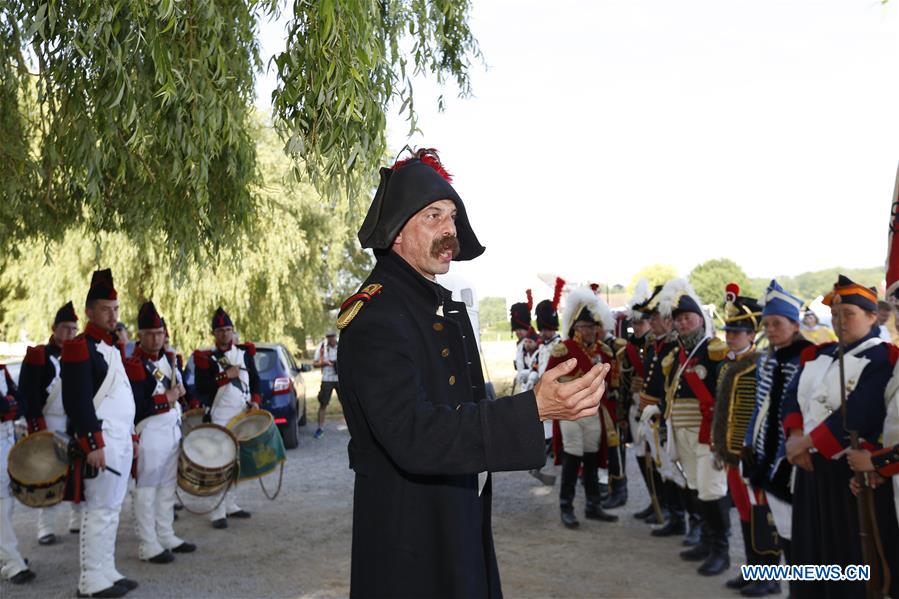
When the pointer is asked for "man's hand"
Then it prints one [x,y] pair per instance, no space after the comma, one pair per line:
[172,395]
[860,460]
[798,446]
[874,481]
[97,459]
[233,372]
[571,400]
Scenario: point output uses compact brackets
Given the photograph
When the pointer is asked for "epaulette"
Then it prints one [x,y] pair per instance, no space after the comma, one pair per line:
[353,304]
[717,349]
[134,368]
[36,356]
[621,352]
[201,358]
[809,354]
[248,347]
[75,350]
[667,362]
[559,350]
[893,353]
[620,343]
[605,349]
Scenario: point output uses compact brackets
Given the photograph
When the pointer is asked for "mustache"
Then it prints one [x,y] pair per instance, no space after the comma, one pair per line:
[445,243]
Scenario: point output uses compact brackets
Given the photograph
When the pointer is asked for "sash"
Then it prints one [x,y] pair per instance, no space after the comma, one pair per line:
[112,376]
[700,391]
[633,356]
[54,391]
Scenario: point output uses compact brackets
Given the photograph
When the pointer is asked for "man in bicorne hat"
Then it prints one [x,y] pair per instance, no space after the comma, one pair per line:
[228,384]
[424,438]
[100,406]
[158,386]
[41,385]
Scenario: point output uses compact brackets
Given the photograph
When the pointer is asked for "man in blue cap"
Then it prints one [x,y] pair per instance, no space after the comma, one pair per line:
[764,453]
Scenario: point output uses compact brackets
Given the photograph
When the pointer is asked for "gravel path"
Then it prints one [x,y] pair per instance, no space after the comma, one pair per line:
[299,545]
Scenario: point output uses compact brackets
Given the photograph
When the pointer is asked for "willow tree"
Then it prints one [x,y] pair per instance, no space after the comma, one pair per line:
[133,116]
[295,259]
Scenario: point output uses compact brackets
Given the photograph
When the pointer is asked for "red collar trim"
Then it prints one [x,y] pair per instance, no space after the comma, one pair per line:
[98,333]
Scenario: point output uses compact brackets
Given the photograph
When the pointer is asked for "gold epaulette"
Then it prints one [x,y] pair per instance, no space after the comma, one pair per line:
[605,349]
[717,349]
[560,350]
[667,363]
[353,304]
[620,343]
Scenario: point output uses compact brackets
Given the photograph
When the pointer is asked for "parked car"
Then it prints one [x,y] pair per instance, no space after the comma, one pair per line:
[281,386]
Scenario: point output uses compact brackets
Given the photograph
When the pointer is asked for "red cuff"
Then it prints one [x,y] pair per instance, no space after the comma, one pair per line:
[256,398]
[91,441]
[886,461]
[37,424]
[793,420]
[221,379]
[135,438]
[193,404]
[160,403]
[824,441]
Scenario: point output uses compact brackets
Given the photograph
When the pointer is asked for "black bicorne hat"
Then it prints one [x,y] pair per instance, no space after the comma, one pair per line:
[410,186]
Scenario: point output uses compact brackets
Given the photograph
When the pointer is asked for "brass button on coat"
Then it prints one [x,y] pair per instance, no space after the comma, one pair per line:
[438,326]
[452,380]
[445,352]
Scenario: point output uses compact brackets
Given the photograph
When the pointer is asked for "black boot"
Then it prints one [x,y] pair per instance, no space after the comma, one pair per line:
[702,549]
[691,503]
[619,494]
[675,524]
[641,464]
[763,588]
[718,516]
[662,498]
[738,582]
[593,510]
[570,465]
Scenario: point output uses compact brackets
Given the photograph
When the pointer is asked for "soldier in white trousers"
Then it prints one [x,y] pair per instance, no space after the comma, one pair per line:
[41,386]
[228,384]
[12,564]
[100,406]
[157,385]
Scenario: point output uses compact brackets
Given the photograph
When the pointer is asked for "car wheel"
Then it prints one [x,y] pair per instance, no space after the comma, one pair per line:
[302,421]
[291,434]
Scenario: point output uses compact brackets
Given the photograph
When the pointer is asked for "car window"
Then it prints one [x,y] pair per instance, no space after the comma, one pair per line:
[291,363]
[266,359]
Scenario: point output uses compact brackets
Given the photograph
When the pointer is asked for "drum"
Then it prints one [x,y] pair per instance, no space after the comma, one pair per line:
[261,446]
[190,420]
[37,470]
[208,460]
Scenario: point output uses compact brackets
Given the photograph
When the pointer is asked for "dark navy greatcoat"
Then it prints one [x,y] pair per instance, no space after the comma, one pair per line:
[421,429]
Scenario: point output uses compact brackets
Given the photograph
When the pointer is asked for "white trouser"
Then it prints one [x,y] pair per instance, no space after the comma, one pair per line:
[633,420]
[11,562]
[228,506]
[698,463]
[581,436]
[154,516]
[104,496]
[154,495]
[75,517]
[47,518]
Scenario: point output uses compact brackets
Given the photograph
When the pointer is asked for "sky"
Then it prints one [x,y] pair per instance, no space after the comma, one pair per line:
[605,136]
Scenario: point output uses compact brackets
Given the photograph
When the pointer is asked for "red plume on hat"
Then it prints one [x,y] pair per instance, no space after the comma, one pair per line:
[892,279]
[557,292]
[731,291]
[428,156]
[530,297]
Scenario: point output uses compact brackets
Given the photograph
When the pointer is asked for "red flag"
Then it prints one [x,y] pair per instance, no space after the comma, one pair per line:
[893,249]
